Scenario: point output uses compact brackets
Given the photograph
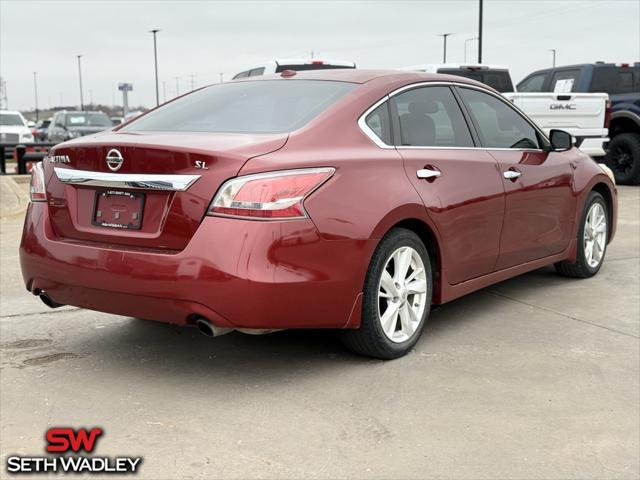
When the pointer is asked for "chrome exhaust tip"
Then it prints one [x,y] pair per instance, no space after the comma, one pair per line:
[48,301]
[208,329]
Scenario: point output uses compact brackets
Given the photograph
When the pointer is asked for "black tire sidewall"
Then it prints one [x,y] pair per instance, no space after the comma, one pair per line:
[594,197]
[630,141]
[395,239]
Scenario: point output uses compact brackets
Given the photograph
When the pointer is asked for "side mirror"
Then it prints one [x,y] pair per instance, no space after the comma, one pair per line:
[560,140]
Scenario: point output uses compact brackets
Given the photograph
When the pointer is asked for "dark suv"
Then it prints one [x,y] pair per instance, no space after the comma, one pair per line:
[67,125]
[622,82]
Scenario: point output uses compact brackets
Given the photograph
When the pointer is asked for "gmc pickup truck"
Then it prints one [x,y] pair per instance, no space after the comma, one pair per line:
[583,115]
[622,82]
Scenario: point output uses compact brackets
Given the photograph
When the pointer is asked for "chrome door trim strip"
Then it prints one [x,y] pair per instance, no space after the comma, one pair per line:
[371,134]
[136,181]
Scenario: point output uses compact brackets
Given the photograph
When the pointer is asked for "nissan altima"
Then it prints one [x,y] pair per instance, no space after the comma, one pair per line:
[344,199]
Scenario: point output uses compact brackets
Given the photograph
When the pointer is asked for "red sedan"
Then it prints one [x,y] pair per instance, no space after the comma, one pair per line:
[345,199]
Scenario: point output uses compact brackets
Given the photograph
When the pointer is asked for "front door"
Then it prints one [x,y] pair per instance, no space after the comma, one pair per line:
[540,205]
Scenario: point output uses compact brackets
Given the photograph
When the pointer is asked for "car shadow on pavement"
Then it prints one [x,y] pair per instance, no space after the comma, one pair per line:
[155,349]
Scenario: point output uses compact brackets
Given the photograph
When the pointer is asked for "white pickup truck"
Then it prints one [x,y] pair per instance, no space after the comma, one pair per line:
[583,115]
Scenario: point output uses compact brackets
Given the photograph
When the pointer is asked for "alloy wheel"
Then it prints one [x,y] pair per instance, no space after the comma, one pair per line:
[595,235]
[402,294]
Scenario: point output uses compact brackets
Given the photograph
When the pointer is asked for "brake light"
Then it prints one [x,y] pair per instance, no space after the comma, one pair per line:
[607,114]
[317,62]
[273,195]
[37,193]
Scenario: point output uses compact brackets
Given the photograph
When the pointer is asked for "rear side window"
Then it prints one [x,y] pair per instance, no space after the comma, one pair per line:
[499,125]
[615,80]
[256,72]
[431,117]
[564,81]
[534,83]
[379,122]
[497,79]
[275,106]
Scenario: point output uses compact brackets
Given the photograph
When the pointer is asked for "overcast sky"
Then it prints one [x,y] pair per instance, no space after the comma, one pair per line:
[205,38]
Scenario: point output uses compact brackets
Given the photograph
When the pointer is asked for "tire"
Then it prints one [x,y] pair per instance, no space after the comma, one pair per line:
[583,267]
[623,158]
[406,309]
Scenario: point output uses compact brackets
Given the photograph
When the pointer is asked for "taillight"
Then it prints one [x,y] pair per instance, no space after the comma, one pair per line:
[607,114]
[273,195]
[37,192]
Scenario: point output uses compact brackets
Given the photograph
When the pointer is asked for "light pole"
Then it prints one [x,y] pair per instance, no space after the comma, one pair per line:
[480,33]
[80,78]
[221,77]
[465,47]
[155,61]
[444,37]
[554,56]
[35,91]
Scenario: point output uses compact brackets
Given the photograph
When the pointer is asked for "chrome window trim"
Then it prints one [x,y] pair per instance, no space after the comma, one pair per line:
[136,181]
[362,122]
[371,134]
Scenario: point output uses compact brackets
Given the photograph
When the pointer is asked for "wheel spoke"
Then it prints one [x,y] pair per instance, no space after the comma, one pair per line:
[387,284]
[414,274]
[417,286]
[588,251]
[402,261]
[406,325]
[390,319]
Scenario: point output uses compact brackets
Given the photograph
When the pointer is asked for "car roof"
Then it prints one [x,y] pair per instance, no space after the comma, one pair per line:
[365,76]
[12,112]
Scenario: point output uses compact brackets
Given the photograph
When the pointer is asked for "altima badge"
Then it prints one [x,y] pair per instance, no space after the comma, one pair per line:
[59,159]
[114,160]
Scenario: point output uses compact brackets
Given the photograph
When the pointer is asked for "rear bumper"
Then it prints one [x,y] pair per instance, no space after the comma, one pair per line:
[236,273]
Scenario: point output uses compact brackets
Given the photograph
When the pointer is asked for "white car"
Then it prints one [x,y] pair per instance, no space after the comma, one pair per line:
[496,76]
[277,66]
[13,128]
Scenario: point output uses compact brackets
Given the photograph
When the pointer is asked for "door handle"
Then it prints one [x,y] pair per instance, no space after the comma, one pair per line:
[511,174]
[427,173]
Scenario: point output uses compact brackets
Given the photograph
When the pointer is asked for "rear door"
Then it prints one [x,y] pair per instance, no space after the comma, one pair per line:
[540,205]
[458,183]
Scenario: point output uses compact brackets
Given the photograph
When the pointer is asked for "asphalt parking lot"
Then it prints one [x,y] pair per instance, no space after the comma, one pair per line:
[537,377]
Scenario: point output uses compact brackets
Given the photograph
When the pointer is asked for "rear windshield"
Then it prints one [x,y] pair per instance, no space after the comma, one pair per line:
[615,80]
[11,120]
[310,66]
[272,106]
[498,79]
[87,120]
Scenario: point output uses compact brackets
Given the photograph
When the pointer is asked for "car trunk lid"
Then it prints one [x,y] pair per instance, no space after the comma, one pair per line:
[159,194]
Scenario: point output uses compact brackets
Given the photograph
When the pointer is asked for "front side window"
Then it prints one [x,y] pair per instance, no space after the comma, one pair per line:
[431,117]
[256,72]
[264,106]
[534,83]
[379,122]
[499,125]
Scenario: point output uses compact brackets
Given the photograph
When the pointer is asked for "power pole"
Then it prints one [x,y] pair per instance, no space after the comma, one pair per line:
[554,56]
[444,55]
[480,34]
[35,90]
[155,61]
[80,78]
